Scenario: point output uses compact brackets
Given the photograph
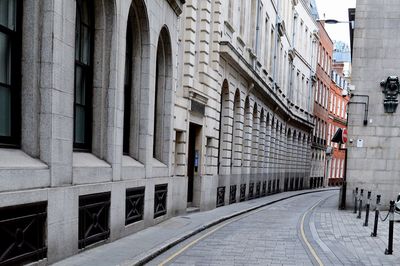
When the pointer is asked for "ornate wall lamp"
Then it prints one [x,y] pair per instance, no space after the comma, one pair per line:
[391,89]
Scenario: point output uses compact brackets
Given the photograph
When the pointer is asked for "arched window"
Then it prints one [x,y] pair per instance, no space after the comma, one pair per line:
[10,73]
[83,74]
[163,99]
[223,126]
[246,153]
[135,81]
[235,159]
[128,86]
[267,153]
[261,140]
[254,138]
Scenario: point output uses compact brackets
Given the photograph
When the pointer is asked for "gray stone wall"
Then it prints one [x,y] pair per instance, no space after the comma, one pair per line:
[265,132]
[258,99]
[374,165]
[46,168]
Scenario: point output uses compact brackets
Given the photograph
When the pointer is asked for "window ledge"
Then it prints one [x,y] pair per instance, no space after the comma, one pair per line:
[17,159]
[84,159]
[128,161]
[157,164]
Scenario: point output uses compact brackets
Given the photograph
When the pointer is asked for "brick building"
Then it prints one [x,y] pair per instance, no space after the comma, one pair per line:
[337,119]
[321,100]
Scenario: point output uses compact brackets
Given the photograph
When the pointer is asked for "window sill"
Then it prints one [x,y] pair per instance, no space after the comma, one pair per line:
[17,159]
[157,164]
[132,169]
[128,161]
[19,171]
[159,169]
[86,159]
[87,168]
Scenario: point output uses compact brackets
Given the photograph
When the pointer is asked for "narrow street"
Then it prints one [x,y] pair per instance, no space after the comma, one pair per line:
[273,236]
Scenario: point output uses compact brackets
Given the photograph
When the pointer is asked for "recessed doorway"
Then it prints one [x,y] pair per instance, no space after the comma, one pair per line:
[194,155]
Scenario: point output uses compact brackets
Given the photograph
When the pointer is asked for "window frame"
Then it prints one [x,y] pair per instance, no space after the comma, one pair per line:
[128,89]
[87,146]
[15,38]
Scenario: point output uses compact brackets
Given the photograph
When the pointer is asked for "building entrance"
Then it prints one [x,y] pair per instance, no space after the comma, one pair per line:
[193,164]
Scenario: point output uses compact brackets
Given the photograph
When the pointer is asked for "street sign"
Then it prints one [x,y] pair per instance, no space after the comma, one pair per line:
[344,135]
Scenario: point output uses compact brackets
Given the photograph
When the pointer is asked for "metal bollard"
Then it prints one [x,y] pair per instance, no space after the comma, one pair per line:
[355,200]
[360,206]
[367,208]
[378,202]
[389,250]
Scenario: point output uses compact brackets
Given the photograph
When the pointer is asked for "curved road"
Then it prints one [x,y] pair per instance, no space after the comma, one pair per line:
[304,230]
[268,236]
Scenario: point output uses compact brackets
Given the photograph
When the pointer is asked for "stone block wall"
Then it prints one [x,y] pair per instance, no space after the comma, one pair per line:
[373,163]
[46,167]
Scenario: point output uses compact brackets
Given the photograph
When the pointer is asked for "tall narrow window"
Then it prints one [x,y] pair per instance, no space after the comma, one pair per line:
[235,129]
[157,109]
[242,17]
[83,75]
[162,97]
[230,10]
[223,126]
[10,57]
[266,42]
[128,87]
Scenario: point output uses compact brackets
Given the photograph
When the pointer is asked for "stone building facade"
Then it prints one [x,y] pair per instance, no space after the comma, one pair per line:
[116,115]
[244,108]
[321,102]
[71,174]
[373,157]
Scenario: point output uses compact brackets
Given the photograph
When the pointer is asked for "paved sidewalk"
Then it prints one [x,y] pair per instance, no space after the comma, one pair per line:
[141,246]
[341,239]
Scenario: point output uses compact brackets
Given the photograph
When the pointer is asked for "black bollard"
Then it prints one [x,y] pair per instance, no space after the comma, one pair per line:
[378,202]
[367,208]
[360,206]
[355,200]
[389,250]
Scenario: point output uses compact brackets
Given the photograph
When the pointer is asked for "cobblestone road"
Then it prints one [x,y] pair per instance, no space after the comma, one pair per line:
[272,236]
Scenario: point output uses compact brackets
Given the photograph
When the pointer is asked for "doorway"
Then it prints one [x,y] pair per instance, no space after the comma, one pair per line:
[193,163]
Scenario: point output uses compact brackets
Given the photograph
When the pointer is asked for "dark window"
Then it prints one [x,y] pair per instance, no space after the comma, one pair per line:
[156,140]
[83,74]
[23,233]
[134,205]
[220,196]
[258,189]
[264,188]
[160,200]
[242,192]
[128,86]
[93,218]
[251,191]
[232,194]
[10,73]
[162,87]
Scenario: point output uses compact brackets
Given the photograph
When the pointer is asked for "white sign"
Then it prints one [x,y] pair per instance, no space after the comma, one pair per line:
[360,143]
